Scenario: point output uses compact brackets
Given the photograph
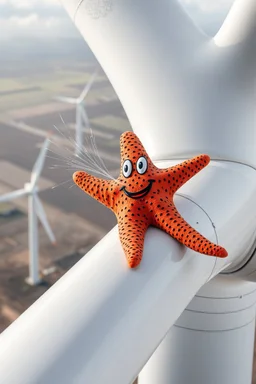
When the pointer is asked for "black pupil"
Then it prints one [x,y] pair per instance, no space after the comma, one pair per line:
[126,168]
[140,165]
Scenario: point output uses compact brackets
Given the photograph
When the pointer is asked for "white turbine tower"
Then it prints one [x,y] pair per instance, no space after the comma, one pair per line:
[81,114]
[35,209]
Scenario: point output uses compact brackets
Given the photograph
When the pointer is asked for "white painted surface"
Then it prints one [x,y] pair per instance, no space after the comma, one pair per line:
[102,314]
[192,356]
[184,93]
[247,271]
[212,341]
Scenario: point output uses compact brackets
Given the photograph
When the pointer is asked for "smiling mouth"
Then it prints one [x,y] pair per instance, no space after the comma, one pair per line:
[139,194]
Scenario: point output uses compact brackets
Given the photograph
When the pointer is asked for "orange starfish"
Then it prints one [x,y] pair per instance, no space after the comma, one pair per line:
[143,196]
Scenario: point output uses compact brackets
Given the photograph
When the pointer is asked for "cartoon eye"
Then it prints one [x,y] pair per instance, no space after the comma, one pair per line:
[127,168]
[142,165]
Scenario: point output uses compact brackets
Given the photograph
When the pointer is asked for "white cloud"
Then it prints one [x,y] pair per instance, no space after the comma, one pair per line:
[42,17]
[24,21]
[30,3]
[33,26]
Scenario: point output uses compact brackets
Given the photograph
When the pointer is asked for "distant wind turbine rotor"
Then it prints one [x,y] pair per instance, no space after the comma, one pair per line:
[35,211]
[82,119]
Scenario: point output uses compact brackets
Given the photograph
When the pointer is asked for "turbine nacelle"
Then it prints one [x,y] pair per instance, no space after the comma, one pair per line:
[30,189]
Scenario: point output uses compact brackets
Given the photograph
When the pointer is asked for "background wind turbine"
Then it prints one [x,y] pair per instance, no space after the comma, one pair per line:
[81,114]
[35,209]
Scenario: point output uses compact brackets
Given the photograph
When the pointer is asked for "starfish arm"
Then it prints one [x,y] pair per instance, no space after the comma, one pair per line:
[169,220]
[183,172]
[99,189]
[132,233]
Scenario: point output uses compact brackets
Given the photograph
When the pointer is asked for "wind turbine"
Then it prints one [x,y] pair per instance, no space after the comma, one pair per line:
[194,314]
[35,210]
[81,115]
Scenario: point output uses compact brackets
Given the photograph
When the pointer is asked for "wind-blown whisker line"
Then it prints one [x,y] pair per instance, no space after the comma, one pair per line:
[52,157]
[95,157]
[98,168]
[65,137]
[67,129]
[59,184]
[96,149]
[60,132]
[67,160]
[96,152]
[74,168]
[85,160]
[86,155]
[79,164]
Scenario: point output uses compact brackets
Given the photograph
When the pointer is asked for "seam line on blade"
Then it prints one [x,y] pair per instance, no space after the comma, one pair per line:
[217,330]
[227,298]
[212,223]
[77,8]
[221,313]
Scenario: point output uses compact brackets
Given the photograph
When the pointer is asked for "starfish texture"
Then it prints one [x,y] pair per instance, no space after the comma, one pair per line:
[143,196]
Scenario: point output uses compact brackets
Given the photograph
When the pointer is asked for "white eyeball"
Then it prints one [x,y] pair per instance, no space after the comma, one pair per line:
[127,168]
[142,165]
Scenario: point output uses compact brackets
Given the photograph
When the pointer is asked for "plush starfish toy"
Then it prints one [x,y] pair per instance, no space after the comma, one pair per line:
[143,196]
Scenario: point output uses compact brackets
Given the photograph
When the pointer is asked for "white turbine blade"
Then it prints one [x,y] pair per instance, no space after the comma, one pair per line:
[85,117]
[38,166]
[43,218]
[13,195]
[88,86]
[34,274]
[69,100]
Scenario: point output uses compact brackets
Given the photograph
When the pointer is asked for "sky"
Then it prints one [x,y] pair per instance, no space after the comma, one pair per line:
[46,18]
